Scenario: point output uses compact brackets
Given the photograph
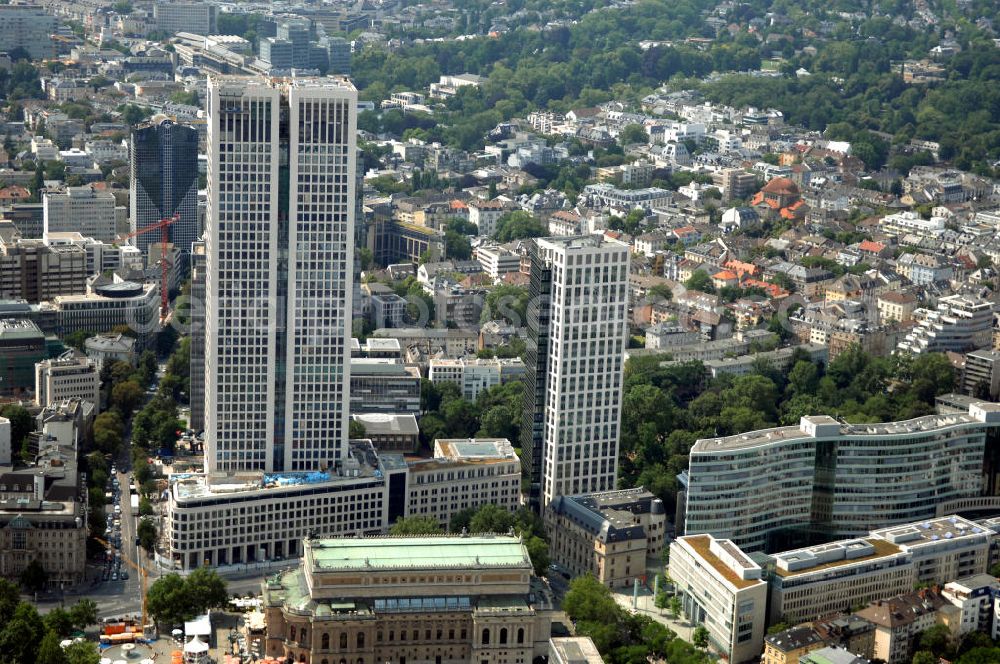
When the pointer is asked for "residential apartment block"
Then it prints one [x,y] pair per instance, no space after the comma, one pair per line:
[959,323]
[474,376]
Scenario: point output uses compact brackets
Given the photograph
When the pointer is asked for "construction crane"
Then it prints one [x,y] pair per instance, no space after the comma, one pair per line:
[162,225]
[139,569]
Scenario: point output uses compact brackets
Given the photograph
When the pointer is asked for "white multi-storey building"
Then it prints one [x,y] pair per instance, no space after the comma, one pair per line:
[835,478]
[83,210]
[196,17]
[572,413]
[721,588]
[68,377]
[839,576]
[464,474]
[27,27]
[103,308]
[497,260]
[279,248]
[960,323]
[474,376]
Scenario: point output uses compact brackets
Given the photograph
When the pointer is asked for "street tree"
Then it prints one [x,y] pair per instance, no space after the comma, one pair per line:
[34,576]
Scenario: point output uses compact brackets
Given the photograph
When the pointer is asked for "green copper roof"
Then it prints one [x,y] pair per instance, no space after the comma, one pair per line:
[419,552]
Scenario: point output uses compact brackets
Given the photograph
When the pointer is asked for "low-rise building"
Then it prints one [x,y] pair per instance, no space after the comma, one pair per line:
[464,474]
[848,631]
[390,432]
[105,307]
[787,646]
[896,306]
[498,260]
[388,310]
[106,349]
[43,517]
[485,215]
[973,596]
[959,323]
[778,359]
[384,386]
[351,502]
[830,655]
[899,621]
[722,589]
[574,650]
[22,346]
[474,376]
[388,599]
[608,534]
[71,376]
[981,374]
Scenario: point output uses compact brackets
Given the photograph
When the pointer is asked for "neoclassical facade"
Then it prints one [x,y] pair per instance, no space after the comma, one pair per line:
[438,599]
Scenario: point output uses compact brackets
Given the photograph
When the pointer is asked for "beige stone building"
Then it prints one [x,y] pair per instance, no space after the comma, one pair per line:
[397,599]
[464,474]
[43,513]
[896,306]
[787,646]
[608,534]
[899,621]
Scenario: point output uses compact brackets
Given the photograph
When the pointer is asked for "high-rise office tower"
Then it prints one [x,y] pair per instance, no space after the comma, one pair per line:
[163,181]
[279,250]
[196,371]
[572,398]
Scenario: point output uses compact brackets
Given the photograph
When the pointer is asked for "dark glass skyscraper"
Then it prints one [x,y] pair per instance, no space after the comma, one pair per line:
[163,159]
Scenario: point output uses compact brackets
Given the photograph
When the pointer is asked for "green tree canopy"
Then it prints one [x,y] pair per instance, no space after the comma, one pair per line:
[415,525]
[518,225]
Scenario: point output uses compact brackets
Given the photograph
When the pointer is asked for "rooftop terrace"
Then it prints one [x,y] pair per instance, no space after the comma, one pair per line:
[835,554]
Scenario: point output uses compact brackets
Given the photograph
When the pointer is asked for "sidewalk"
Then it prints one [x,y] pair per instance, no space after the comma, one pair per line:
[645,607]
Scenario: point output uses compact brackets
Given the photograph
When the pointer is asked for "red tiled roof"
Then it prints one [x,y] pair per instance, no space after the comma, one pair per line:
[872,247]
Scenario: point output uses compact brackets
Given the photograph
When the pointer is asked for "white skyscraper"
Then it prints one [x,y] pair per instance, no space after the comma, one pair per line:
[279,250]
[575,363]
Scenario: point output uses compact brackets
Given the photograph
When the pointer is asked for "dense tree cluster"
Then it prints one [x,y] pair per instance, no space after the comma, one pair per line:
[621,636]
[854,79]
[495,414]
[666,408]
[28,638]
[172,599]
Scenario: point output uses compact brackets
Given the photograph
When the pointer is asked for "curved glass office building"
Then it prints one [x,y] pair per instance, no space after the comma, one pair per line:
[776,488]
